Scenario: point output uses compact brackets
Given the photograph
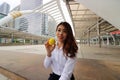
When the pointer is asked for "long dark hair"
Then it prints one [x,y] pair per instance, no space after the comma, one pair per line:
[70,47]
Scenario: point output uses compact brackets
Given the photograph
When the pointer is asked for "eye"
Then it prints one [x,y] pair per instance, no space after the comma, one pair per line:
[58,30]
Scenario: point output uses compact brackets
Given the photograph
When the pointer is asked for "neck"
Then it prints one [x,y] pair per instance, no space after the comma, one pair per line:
[60,44]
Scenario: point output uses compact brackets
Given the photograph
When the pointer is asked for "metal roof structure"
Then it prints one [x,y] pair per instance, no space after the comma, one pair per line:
[85,21]
[52,8]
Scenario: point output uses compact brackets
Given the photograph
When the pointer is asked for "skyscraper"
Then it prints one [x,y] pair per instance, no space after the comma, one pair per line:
[36,20]
[21,24]
[51,27]
[4,8]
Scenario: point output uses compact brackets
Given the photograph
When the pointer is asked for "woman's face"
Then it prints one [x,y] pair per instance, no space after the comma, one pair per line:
[61,33]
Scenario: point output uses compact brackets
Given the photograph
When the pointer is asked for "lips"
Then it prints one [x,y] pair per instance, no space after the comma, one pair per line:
[60,37]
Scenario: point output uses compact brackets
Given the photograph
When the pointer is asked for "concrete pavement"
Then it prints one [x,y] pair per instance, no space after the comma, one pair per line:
[26,63]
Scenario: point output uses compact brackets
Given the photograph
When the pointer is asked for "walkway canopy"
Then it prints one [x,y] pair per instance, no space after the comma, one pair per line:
[87,22]
[52,9]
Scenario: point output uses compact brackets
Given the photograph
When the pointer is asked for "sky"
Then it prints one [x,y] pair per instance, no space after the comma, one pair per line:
[14,3]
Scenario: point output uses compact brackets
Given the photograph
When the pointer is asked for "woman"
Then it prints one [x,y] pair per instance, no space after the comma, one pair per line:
[62,55]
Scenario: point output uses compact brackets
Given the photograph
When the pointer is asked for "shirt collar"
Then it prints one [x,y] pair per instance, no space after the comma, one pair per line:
[59,48]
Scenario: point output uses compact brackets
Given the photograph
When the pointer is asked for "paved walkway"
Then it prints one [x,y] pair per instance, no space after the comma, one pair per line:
[26,63]
[2,77]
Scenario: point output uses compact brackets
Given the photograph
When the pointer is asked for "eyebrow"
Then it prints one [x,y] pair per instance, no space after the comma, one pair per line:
[62,29]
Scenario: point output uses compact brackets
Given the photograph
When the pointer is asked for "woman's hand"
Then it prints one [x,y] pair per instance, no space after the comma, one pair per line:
[49,48]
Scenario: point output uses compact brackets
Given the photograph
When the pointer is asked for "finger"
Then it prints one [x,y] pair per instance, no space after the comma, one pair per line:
[47,45]
[53,46]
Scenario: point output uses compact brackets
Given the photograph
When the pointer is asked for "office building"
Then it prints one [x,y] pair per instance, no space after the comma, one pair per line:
[4,8]
[36,21]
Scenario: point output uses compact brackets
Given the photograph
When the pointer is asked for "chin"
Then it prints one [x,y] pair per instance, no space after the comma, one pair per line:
[60,40]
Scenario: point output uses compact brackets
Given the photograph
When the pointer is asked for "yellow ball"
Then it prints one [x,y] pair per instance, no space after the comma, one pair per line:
[51,41]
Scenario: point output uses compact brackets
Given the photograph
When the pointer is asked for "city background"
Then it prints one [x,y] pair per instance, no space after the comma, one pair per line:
[35,23]
[95,24]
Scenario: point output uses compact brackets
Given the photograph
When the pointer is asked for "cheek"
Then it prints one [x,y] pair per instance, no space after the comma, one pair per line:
[65,36]
[56,33]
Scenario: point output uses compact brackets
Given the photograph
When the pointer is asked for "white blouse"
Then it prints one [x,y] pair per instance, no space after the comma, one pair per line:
[60,64]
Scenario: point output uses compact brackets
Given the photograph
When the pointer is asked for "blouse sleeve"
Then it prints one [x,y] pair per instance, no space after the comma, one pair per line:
[47,61]
[68,69]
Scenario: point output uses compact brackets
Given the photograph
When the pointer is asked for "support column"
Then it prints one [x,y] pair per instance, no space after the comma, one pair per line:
[98,33]
[89,36]
[108,39]
[12,38]
[114,41]
[23,41]
[102,41]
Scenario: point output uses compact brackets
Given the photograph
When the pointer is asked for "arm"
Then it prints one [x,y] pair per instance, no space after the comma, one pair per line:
[47,61]
[68,69]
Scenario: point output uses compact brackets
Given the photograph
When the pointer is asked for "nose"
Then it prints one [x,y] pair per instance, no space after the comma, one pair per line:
[61,32]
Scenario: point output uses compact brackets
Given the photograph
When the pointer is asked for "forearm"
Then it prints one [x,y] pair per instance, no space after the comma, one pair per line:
[47,61]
